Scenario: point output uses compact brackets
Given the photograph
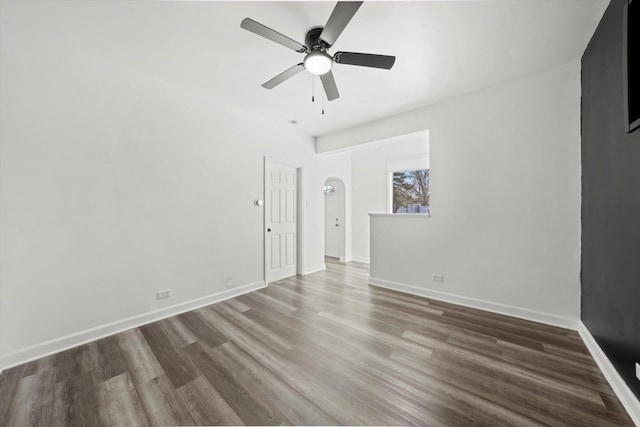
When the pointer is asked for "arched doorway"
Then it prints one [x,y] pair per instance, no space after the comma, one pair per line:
[334,218]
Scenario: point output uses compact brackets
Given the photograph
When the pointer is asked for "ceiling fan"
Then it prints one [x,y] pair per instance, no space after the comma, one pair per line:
[317,41]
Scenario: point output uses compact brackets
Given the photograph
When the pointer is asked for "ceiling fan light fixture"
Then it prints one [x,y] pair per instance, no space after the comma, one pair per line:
[318,63]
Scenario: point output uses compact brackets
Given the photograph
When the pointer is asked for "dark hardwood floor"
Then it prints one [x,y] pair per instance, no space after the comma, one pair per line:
[322,349]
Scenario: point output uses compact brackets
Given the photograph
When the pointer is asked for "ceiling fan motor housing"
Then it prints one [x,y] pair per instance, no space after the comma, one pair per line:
[312,39]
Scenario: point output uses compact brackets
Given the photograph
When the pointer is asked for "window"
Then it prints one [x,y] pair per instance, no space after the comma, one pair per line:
[409,187]
[410,191]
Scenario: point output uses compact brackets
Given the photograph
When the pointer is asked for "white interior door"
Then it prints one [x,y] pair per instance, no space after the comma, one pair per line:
[281,220]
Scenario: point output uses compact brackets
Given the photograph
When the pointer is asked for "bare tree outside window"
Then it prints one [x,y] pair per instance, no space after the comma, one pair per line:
[411,191]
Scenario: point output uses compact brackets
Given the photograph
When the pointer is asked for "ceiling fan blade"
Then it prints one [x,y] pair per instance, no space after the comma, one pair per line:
[340,17]
[266,32]
[329,85]
[365,59]
[283,76]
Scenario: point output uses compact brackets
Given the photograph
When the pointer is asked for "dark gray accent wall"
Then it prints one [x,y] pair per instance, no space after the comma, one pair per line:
[610,203]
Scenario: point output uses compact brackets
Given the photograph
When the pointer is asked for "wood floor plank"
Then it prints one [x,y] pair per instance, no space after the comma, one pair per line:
[581,374]
[76,401]
[581,355]
[344,393]
[111,360]
[76,361]
[171,357]
[161,403]
[451,396]
[321,349]
[258,331]
[250,410]
[35,366]
[178,332]
[322,393]
[353,384]
[273,303]
[327,330]
[32,403]
[489,388]
[537,405]
[118,403]
[500,368]
[141,362]
[414,347]
[236,304]
[206,406]
[294,406]
[8,383]
[204,332]
[389,388]
[319,392]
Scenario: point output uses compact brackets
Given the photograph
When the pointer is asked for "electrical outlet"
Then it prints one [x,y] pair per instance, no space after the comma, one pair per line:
[638,371]
[437,277]
[163,294]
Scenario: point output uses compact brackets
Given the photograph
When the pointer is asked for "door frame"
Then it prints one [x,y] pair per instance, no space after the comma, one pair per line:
[342,238]
[299,212]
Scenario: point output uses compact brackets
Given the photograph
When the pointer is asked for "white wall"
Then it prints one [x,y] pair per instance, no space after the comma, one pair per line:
[505,174]
[115,185]
[370,181]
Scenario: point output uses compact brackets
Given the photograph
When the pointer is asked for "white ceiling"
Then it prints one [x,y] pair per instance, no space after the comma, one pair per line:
[443,49]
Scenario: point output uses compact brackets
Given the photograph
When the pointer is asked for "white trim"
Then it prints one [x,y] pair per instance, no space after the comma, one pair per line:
[389,192]
[315,269]
[299,220]
[56,345]
[410,163]
[367,143]
[619,386]
[342,207]
[509,310]
[360,259]
[400,215]
[266,204]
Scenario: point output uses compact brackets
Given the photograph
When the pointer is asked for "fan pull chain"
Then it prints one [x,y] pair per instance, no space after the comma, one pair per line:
[323,105]
[313,91]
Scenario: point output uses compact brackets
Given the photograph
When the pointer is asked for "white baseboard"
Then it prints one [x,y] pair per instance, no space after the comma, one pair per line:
[312,270]
[56,345]
[509,310]
[619,386]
